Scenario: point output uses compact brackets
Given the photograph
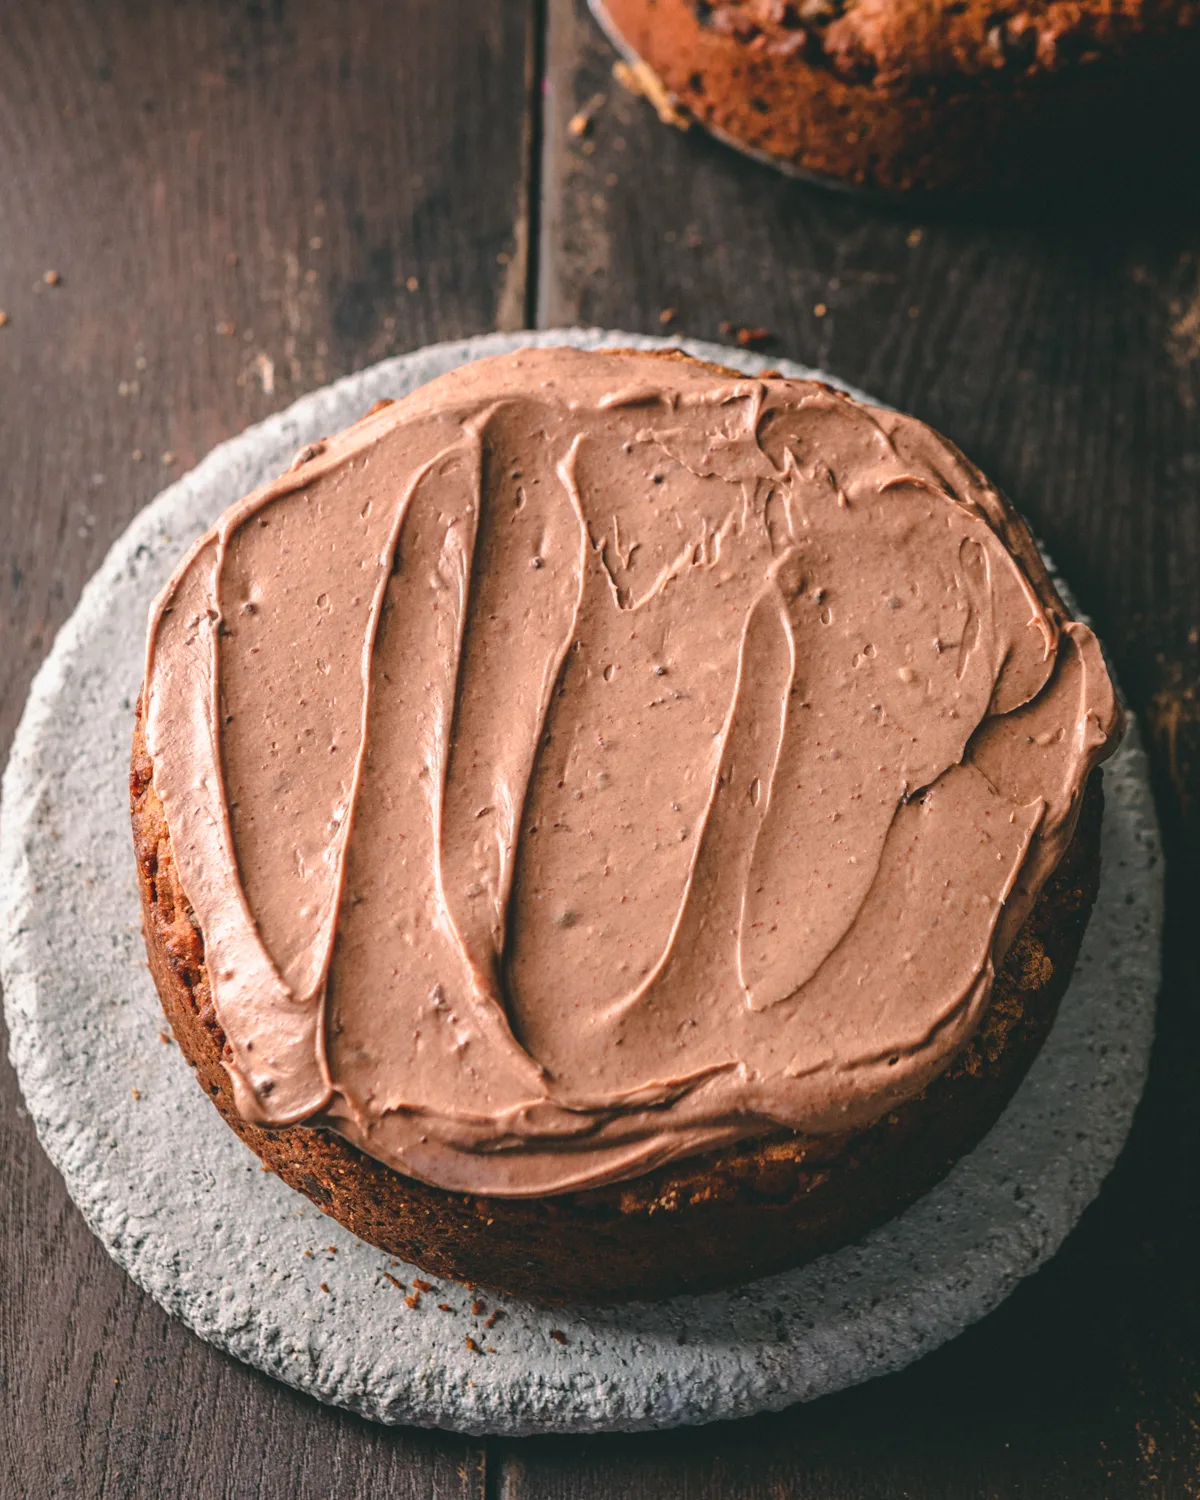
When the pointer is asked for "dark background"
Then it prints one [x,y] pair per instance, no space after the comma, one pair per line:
[244,201]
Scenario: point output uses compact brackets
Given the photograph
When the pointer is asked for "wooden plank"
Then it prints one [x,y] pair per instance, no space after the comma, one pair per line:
[1063,354]
[241,202]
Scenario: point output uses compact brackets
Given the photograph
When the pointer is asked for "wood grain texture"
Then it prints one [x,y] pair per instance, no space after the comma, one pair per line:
[1061,350]
[234,197]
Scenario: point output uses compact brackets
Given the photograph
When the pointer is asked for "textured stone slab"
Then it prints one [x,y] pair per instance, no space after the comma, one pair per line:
[184,1208]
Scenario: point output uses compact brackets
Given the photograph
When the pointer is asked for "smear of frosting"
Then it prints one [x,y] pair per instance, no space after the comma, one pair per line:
[592,759]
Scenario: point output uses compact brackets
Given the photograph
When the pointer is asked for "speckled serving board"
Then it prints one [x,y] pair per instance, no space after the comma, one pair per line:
[254,1268]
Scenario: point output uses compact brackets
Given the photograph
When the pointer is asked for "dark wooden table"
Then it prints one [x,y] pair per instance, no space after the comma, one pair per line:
[209,208]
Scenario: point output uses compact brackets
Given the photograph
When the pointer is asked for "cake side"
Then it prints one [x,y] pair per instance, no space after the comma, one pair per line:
[699,1224]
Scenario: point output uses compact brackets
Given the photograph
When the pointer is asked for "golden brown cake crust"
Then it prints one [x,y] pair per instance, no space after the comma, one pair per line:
[701,1223]
[953,94]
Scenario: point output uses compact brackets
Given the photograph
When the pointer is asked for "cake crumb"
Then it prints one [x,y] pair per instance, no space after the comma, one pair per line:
[163,1037]
[913,238]
[3,317]
[136,1093]
[414,1300]
[640,79]
[494,1319]
[476,1307]
[423,1286]
[668,315]
[444,1307]
[747,337]
[137,455]
[413,284]
[324,1288]
[558,1336]
[226,329]
[168,459]
[819,310]
[389,1277]
[472,1345]
[581,122]
[51,278]
[264,366]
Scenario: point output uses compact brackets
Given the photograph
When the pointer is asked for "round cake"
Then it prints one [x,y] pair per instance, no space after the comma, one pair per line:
[896,95]
[609,826]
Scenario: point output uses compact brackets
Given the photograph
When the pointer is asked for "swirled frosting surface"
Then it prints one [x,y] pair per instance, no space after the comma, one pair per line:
[592,759]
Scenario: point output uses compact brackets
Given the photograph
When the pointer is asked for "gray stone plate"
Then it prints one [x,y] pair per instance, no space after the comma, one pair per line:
[182,1205]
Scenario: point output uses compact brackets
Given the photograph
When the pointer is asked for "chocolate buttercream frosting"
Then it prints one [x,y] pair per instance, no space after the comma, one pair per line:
[593,759]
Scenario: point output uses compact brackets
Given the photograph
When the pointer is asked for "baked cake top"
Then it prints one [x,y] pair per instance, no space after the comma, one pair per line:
[885,45]
[592,759]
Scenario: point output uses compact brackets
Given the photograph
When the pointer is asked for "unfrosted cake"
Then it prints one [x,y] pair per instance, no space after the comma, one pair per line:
[925,94]
[609,826]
